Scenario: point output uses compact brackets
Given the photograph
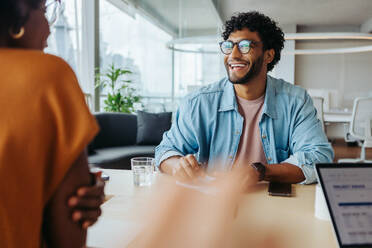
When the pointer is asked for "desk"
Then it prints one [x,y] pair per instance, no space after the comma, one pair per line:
[292,219]
[337,116]
[337,123]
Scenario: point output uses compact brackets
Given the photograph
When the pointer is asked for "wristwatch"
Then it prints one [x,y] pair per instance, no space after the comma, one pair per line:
[260,167]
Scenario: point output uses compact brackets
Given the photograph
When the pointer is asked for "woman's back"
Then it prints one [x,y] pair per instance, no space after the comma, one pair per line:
[45,125]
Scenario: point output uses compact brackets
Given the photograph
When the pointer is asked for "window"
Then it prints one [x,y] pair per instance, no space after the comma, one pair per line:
[65,40]
[135,43]
[195,69]
[132,40]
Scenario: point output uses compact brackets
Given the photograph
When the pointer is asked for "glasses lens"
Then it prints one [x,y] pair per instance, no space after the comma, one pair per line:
[227,47]
[244,46]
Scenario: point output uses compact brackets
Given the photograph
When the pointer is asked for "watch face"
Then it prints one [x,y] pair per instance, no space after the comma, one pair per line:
[258,165]
[260,168]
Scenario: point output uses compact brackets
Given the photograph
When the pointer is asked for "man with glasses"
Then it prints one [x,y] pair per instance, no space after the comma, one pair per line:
[249,118]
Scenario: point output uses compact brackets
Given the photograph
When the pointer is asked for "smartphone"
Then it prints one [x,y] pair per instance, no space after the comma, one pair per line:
[280,189]
[105,177]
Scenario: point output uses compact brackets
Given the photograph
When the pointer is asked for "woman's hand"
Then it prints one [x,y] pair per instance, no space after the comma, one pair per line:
[86,203]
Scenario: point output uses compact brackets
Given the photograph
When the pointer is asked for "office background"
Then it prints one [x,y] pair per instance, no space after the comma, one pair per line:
[171,47]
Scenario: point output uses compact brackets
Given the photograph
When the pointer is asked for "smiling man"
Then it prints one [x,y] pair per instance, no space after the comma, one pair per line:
[249,118]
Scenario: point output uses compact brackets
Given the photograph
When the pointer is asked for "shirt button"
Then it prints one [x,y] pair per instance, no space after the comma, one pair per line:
[264,136]
[230,157]
[237,132]
[269,158]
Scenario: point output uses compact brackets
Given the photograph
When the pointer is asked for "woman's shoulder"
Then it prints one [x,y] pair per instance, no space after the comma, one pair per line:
[35,67]
[32,59]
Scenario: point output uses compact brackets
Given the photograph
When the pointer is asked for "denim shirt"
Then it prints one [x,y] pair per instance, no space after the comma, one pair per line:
[209,125]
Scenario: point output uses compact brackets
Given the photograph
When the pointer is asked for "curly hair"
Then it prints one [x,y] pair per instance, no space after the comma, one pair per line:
[14,13]
[271,35]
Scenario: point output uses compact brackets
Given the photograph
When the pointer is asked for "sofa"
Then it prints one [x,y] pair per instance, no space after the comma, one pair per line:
[118,139]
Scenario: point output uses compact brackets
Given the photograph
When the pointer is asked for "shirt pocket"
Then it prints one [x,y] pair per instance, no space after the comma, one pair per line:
[282,154]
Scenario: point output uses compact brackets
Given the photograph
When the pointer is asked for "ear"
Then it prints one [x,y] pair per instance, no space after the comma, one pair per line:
[269,56]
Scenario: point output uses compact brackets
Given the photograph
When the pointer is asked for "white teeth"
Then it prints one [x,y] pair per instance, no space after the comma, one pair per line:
[237,65]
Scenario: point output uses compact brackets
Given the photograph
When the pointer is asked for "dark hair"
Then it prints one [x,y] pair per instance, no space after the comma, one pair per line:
[271,35]
[14,13]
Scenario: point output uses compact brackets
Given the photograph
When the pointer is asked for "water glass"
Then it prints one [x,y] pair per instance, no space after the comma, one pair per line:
[142,168]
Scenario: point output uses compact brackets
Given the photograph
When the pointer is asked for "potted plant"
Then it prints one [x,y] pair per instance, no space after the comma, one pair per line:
[122,95]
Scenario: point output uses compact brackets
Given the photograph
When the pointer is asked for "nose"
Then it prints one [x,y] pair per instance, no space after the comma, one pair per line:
[235,52]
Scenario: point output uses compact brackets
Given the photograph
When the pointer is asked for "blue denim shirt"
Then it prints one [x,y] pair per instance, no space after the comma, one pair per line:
[209,125]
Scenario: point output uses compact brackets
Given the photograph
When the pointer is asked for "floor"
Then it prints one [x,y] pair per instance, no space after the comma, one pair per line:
[343,150]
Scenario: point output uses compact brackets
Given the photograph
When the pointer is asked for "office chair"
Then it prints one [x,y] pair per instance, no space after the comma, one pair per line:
[318,104]
[361,127]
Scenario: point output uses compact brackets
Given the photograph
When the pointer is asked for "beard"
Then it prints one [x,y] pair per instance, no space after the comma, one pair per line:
[252,73]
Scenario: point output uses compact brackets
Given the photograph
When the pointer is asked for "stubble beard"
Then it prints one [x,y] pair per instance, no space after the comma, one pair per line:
[251,74]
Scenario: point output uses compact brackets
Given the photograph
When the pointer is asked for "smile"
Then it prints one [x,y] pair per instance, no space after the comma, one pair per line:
[237,66]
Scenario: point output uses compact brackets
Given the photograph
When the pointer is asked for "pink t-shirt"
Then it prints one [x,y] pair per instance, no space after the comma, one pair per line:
[250,146]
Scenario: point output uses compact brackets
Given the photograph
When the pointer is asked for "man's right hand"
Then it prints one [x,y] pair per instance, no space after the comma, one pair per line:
[185,168]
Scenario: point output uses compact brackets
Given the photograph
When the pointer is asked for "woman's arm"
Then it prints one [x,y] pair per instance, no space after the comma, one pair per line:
[59,230]
[86,202]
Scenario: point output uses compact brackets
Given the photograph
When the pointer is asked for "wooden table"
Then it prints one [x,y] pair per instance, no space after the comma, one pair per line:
[290,220]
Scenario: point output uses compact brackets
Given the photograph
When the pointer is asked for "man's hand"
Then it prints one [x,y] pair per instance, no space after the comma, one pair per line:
[284,173]
[87,201]
[187,168]
[184,168]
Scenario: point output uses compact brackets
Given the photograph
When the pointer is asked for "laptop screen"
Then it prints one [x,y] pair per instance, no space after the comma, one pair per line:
[348,192]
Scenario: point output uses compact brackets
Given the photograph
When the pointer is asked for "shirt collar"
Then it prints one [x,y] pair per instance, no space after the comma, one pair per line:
[228,100]
[269,107]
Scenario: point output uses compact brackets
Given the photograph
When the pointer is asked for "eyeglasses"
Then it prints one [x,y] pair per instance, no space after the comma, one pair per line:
[244,46]
[52,11]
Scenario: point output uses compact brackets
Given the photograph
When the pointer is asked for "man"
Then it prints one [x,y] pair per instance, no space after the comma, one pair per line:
[250,118]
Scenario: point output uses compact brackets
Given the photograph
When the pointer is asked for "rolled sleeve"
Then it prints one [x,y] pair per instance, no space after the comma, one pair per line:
[307,169]
[165,156]
[180,140]
[309,143]
[321,153]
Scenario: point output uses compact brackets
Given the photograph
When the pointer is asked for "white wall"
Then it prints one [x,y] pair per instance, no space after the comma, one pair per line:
[346,76]
[285,68]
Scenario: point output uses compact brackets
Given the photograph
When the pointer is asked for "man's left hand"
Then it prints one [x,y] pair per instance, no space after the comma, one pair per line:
[87,201]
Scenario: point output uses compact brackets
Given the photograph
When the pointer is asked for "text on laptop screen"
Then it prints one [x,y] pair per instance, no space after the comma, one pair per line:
[349,192]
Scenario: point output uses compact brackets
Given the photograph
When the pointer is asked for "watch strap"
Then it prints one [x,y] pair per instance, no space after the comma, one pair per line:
[260,167]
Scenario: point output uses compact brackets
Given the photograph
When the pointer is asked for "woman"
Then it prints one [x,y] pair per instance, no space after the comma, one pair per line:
[45,127]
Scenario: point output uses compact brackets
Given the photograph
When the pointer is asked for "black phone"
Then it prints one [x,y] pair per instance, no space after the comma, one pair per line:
[94,170]
[105,177]
[280,189]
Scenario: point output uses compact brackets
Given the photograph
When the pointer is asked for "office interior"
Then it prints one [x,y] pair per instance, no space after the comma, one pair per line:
[171,48]
[167,49]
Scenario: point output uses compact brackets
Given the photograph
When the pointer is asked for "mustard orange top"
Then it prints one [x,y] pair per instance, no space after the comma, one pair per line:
[44,126]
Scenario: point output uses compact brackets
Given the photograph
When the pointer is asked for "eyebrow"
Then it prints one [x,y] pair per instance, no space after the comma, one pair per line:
[241,40]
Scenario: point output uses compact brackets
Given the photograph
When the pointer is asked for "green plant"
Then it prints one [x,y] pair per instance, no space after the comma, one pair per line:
[121,96]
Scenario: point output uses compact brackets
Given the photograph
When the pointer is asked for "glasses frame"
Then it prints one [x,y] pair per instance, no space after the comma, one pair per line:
[237,44]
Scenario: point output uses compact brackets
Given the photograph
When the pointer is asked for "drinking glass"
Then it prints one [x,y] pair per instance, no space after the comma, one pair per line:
[142,168]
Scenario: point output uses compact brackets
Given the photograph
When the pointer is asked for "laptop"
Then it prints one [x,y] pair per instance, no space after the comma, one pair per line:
[348,192]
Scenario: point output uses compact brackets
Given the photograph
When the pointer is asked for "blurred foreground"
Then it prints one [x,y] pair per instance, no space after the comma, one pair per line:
[199,213]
